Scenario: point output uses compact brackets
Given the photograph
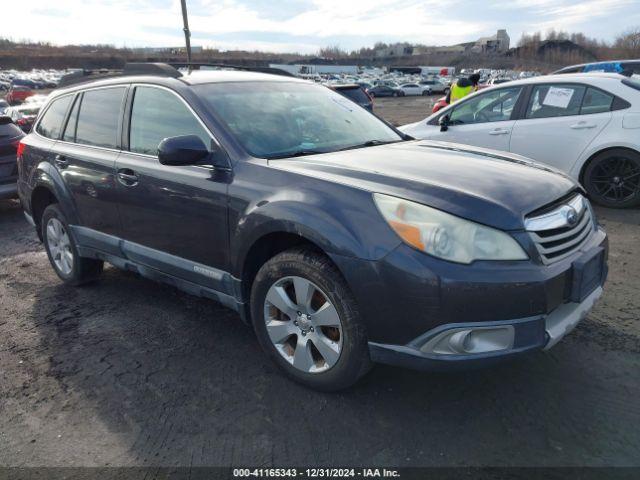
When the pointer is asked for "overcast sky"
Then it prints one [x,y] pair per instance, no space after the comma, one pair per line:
[306,25]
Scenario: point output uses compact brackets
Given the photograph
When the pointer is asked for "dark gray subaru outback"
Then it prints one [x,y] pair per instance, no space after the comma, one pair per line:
[340,240]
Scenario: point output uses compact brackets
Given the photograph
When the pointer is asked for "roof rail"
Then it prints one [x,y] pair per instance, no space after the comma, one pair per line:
[152,69]
[221,66]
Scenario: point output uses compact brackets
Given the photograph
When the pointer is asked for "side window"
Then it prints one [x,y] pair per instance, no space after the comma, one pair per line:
[98,117]
[51,123]
[557,100]
[493,106]
[72,124]
[157,114]
[596,101]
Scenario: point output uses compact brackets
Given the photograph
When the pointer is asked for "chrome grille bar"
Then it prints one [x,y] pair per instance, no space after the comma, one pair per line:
[563,230]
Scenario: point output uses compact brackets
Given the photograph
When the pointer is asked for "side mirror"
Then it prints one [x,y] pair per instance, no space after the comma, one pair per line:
[182,150]
[444,123]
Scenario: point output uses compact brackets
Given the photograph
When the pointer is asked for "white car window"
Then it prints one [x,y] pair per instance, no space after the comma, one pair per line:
[596,101]
[558,100]
[492,106]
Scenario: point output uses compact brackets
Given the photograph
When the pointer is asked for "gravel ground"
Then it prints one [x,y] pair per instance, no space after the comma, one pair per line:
[127,372]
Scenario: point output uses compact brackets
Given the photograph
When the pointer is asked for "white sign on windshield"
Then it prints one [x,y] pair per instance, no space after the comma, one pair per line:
[558,97]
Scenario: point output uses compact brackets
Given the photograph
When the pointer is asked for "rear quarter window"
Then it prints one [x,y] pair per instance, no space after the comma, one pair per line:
[51,124]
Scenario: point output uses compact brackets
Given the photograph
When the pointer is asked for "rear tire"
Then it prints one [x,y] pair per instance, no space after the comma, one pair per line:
[329,357]
[62,250]
[612,178]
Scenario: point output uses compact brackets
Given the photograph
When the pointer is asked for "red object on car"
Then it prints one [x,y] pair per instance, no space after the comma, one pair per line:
[18,94]
[440,104]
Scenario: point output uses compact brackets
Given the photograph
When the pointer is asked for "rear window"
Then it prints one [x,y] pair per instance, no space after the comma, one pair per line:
[355,94]
[98,117]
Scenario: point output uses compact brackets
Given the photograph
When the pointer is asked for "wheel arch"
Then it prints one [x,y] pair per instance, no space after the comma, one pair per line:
[593,155]
[41,197]
[48,185]
[268,246]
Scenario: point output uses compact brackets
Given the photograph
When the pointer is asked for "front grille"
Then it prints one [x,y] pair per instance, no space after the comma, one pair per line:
[563,230]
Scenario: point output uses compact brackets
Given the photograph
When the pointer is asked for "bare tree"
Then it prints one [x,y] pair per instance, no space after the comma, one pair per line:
[628,43]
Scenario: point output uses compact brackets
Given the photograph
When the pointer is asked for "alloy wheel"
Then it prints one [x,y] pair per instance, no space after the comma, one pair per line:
[59,246]
[616,179]
[303,324]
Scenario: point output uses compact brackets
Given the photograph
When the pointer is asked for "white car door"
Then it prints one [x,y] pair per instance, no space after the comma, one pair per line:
[560,121]
[483,120]
[411,89]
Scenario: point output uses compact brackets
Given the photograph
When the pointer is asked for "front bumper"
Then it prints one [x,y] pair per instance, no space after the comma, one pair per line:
[535,333]
[408,298]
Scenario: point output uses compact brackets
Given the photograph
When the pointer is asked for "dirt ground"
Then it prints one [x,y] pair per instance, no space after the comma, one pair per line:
[127,372]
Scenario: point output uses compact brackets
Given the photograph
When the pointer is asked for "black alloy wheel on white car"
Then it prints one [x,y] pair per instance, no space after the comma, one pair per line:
[612,178]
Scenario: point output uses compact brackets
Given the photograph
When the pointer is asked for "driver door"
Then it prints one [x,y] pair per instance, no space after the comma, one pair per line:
[485,120]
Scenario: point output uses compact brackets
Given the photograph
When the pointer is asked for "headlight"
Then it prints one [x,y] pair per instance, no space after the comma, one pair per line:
[446,236]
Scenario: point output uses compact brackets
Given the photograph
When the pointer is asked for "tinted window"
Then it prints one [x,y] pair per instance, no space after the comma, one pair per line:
[51,124]
[355,94]
[72,123]
[98,117]
[555,101]
[158,114]
[596,101]
[492,106]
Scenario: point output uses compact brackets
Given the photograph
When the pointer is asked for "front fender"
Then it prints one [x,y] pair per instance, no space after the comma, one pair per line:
[356,229]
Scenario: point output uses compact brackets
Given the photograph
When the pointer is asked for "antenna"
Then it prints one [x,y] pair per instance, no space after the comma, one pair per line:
[187,33]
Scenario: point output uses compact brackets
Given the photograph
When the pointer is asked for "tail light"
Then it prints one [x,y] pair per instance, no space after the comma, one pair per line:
[22,121]
[20,149]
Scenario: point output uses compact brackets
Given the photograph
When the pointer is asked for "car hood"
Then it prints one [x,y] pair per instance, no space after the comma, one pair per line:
[486,186]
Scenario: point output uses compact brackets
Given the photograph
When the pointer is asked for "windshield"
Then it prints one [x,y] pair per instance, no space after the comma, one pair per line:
[280,119]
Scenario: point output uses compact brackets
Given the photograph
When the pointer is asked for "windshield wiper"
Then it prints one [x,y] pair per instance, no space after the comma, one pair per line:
[369,143]
[295,153]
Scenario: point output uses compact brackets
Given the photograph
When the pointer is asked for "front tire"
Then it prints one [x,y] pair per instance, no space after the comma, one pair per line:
[612,178]
[62,250]
[307,320]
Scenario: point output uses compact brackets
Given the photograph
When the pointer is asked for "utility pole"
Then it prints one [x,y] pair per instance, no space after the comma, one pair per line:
[187,33]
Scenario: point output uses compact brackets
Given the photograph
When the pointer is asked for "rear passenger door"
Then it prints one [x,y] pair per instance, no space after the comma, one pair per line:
[560,121]
[86,156]
[170,211]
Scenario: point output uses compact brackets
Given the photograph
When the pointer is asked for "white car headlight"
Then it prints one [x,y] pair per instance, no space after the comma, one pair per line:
[446,236]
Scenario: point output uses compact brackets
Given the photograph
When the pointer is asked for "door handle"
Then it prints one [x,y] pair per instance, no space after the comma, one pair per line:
[61,161]
[499,131]
[127,177]
[582,125]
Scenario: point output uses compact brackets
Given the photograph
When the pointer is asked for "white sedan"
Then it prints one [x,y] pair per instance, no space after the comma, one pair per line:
[415,89]
[586,125]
